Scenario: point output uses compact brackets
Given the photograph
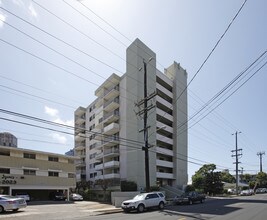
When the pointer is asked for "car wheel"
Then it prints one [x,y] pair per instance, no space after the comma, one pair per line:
[190,202]
[161,205]
[1,209]
[140,208]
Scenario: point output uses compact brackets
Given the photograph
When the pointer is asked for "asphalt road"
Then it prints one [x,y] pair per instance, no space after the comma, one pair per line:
[245,208]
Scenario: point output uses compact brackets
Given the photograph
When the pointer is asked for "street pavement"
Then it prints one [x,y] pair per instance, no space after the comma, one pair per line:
[235,208]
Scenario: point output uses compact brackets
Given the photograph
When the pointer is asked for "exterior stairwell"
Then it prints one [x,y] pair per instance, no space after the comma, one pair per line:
[171,192]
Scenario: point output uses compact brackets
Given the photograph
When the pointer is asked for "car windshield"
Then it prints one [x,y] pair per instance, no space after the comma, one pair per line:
[140,196]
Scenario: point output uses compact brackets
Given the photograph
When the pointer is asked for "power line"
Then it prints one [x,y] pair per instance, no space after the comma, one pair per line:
[87,36]
[213,49]
[48,62]
[204,62]
[42,90]
[39,97]
[221,92]
[230,94]
[70,127]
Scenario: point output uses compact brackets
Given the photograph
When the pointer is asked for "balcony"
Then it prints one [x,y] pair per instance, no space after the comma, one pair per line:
[110,164]
[164,114]
[99,102]
[165,175]
[80,137]
[111,117]
[82,155]
[80,111]
[99,156]
[164,139]
[109,176]
[111,93]
[80,119]
[111,129]
[164,163]
[162,150]
[79,163]
[164,127]
[111,105]
[110,141]
[80,172]
[79,147]
[111,152]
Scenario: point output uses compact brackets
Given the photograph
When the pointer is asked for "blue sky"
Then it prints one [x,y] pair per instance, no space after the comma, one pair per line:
[182,31]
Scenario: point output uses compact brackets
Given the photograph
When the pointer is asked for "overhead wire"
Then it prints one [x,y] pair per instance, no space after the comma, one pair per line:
[71,127]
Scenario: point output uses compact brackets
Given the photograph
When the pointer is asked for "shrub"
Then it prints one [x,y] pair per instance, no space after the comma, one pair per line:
[128,186]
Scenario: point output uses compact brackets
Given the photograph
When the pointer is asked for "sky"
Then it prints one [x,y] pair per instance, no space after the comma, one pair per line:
[54,54]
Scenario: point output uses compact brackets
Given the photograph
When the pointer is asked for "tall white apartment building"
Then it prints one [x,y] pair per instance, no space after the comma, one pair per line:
[107,135]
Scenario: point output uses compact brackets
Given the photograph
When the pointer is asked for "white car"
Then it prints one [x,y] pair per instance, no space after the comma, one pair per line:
[143,201]
[11,203]
[76,197]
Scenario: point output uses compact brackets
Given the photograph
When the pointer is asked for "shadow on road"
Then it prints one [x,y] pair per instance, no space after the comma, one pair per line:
[210,207]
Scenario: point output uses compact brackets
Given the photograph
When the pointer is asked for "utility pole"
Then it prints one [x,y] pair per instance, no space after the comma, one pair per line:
[260,155]
[238,153]
[145,129]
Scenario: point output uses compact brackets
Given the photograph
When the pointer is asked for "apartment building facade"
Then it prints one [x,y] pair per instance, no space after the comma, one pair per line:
[37,173]
[107,135]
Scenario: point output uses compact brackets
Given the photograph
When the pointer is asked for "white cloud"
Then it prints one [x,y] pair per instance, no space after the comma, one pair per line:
[54,113]
[2,18]
[59,138]
[67,122]
[32,10]
[51,111]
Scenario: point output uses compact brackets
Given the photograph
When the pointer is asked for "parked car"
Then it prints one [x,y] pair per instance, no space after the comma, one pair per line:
[144,201]
[11,203]
[76,197]
[189,198]
[261,190]
[247,192]
[59,196]
[24,196]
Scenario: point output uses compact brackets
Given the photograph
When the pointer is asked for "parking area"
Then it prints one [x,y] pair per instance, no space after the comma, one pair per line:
[59,210]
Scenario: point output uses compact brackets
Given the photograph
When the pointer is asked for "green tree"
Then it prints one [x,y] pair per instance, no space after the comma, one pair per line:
[127,186]
[207,180]
[261,179]
[227,177]
[247,178]
[189,188]
[104,184]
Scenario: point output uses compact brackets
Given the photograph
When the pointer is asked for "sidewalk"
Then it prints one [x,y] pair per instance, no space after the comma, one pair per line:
[99,208]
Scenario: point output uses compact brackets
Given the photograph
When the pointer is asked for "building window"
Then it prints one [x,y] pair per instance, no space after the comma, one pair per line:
[55,159]
[52,173]
[29,172]
[29,156]
[70,161]
[71,175]
[5,170]
[4,153]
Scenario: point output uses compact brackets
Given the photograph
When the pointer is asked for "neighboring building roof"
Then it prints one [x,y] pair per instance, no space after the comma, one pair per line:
[39,152]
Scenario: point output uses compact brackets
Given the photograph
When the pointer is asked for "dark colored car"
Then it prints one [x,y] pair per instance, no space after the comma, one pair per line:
[189,198]
[59,196]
